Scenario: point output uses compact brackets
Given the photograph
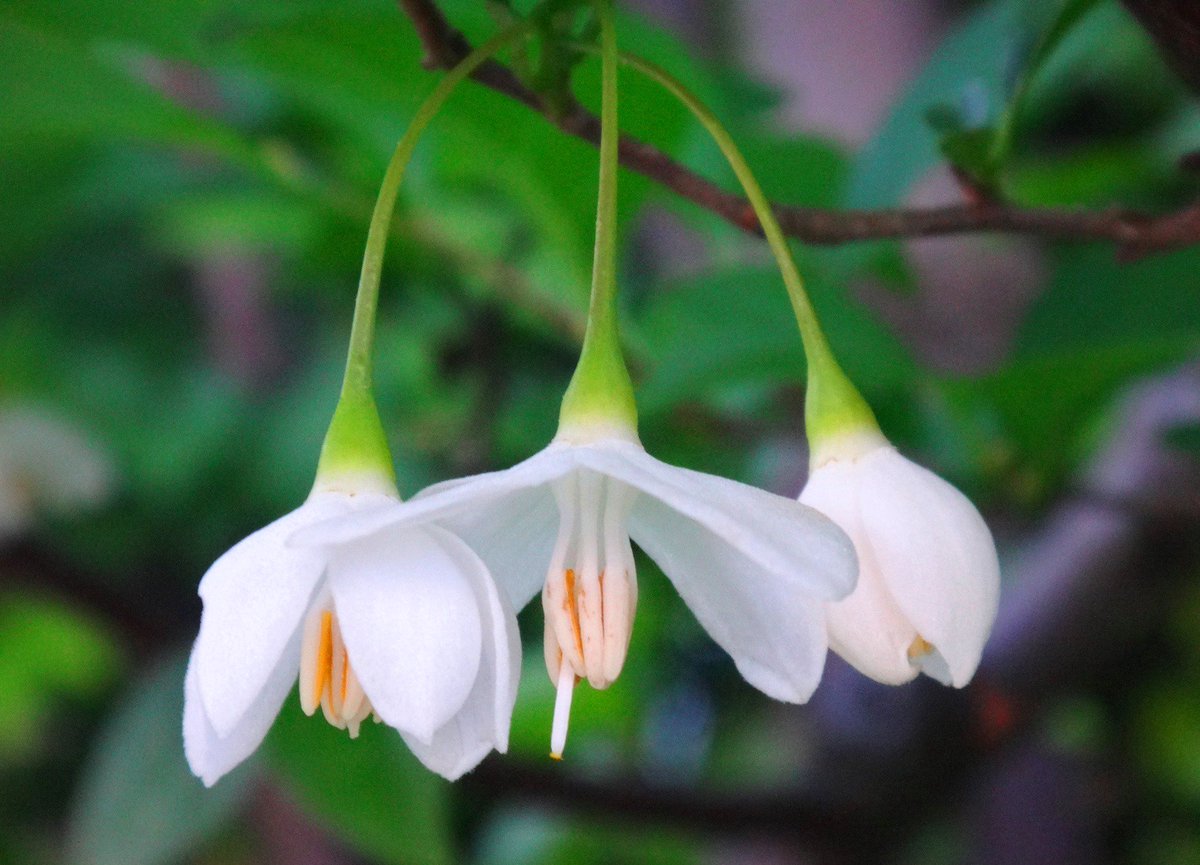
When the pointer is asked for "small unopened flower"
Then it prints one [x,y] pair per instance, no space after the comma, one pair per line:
[408,628]
[929,577]
[754,567]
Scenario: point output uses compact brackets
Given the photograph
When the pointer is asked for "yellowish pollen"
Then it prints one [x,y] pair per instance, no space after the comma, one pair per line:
[571,608]
[919,648]
[345,675]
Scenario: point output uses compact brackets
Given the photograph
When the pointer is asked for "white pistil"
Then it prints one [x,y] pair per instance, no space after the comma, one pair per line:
[562,710]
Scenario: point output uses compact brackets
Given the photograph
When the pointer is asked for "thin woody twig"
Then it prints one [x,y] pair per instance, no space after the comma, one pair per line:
[1133,234]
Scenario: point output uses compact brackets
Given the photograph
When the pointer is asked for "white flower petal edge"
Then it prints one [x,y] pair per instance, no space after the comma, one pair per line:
[483,722]
[507,513]
[211,755]
[929,582]
[774,632]
[255,596]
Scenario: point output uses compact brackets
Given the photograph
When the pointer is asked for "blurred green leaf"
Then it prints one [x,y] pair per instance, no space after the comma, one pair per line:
[51,90]
[1092,300]
[1186,437]
[1070,13]
[524,838]
[1167,741]
[371,791]
[736,327]
[1097,326]
[970,66]
[47,651]
[1041,410]
[137,803]
[970,98]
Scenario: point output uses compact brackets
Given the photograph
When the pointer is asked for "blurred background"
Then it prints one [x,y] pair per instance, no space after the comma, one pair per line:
[184,193]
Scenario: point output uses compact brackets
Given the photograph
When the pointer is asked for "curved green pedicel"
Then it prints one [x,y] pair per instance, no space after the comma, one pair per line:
[600,395]
[355,444]
[834,408]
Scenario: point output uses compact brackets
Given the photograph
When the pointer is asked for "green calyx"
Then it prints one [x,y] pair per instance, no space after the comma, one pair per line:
[599,400]
[833,407]
[600,395]
[355,455]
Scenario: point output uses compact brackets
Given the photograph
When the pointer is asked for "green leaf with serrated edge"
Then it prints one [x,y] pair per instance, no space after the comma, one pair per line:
[137,803]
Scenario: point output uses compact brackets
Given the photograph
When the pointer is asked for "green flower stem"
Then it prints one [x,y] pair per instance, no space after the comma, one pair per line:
[833,405]
[601,392]
[355,442]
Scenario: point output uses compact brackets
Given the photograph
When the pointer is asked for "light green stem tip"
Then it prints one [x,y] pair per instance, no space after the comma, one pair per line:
[355,453]
[600,394]
[833,406]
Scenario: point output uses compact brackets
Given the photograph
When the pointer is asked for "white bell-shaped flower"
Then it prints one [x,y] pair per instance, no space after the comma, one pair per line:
[754,567]
[407,626]
[929,578]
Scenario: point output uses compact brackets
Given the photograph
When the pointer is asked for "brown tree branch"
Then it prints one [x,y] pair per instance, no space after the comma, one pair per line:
[1134,234]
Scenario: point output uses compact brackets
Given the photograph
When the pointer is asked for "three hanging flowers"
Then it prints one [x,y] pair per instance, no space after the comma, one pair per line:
[403,611]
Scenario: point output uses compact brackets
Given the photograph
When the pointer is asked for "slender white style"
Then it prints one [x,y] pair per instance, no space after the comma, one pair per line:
[929,578]
[46,463]
[407,626]
[754,567]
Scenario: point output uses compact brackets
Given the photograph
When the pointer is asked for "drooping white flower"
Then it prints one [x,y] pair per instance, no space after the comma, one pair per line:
[754,567]
[46,463]
[929,577]
[408,626]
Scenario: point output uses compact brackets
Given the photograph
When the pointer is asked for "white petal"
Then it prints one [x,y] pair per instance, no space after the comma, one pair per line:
[514,535]
[254,597]
[210,755]
[482,723]
[774,632]
[780,536]
[937,556]
[411,625]
[866,628]
[446,500]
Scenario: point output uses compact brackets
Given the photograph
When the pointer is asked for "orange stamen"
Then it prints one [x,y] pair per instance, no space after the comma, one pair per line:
[324,656]
[571,607]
